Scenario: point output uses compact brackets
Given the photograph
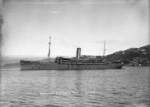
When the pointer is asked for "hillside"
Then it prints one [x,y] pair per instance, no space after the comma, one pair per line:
[132,56]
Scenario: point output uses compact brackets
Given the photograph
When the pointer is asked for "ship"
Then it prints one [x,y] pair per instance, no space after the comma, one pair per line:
[74,63]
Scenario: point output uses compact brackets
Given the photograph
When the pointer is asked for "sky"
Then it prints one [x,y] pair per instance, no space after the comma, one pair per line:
[27,25]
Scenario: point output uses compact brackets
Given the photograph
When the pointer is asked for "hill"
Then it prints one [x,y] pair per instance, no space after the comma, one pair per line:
[132,56]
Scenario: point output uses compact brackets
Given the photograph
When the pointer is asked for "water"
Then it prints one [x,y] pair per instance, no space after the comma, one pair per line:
[127,87]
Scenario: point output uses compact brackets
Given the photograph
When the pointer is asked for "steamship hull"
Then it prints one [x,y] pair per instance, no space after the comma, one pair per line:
[37,65]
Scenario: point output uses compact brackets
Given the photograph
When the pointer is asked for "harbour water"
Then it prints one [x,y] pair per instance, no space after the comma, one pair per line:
[127,87]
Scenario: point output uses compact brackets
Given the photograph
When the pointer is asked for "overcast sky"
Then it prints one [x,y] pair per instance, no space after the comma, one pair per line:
[84,23]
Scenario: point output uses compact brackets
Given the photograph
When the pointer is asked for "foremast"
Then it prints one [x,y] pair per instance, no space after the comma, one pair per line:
[49,47]
[104,51]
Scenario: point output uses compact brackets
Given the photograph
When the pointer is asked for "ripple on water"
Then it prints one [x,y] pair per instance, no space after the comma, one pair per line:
[99,88]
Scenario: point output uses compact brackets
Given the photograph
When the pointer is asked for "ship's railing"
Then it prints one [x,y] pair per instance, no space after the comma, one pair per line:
[78,62]
[62,60]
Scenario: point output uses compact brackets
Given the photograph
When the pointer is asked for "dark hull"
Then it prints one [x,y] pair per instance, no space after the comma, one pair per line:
[36,65]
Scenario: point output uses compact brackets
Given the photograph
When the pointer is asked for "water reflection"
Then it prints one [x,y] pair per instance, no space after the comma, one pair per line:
[78,83]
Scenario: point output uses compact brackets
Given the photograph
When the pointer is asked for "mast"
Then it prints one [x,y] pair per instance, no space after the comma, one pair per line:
[49,47]
[104,50]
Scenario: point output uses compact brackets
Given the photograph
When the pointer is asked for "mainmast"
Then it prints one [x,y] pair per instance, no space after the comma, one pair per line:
[104,50]
[49,47]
